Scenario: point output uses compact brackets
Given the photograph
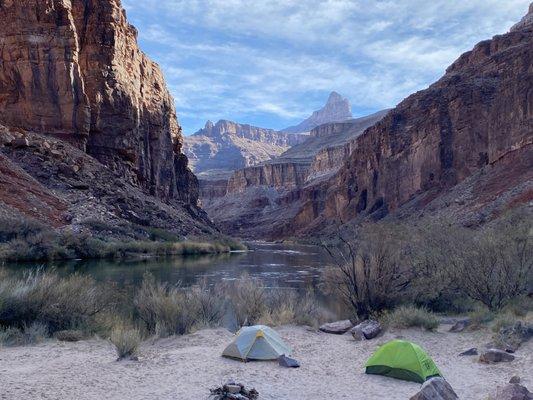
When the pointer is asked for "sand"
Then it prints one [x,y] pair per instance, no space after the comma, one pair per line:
[186,367]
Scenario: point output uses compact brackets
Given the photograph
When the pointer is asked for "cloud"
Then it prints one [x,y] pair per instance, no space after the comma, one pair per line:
[273,62]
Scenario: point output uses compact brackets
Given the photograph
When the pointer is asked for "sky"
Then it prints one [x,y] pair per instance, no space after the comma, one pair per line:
[271,63]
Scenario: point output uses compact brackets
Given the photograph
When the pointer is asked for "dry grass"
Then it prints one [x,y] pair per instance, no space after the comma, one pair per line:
[126,341]
[409,317]
[46,298]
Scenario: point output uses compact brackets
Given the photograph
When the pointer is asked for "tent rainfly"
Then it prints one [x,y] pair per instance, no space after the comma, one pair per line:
[402,360]
[258,342]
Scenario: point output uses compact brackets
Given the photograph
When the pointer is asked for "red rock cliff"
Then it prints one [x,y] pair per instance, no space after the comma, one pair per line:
[477,119]
[73,69]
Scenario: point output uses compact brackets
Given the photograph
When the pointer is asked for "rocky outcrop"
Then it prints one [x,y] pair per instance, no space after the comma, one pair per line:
[460,149]
[276,175]
[260,196]
[468,137]
[54,182]
[73,69]
[219,149]
[337,109]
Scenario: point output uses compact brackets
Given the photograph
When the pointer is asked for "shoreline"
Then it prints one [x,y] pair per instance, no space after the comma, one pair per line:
[187,366]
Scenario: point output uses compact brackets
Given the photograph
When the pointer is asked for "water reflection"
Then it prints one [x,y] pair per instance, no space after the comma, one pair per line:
[277,265]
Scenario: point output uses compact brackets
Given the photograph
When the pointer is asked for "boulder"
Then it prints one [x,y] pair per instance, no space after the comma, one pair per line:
[20,143]
[288,362]
[470,352]
[510,338]
[435,389]
[512,391]
[514,379]
[460,325]
[337,328]
[495,356]
[368,329]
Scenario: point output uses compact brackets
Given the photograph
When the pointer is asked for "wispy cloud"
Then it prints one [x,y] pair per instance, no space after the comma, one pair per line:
[273,62]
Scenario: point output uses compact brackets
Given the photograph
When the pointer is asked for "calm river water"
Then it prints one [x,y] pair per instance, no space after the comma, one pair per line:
[277,265]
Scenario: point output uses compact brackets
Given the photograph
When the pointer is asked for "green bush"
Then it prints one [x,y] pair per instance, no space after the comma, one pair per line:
[127,342]
[411,316]
[12,228]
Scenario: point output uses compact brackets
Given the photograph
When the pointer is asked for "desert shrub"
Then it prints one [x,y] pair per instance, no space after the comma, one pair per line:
[371,270]
[520,306]
[411,316]
[28,334]
[481,315]
[126,341]
[166,310]
[247,298]
[493,265]
[12,228]
[44,297]
[69,335]
[511,331]
[208,303]
[11,337]
[286,306]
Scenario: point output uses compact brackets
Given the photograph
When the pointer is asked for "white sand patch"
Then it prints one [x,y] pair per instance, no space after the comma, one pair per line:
[185,367]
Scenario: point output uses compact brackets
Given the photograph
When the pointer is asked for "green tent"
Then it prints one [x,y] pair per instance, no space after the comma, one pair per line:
[403,360]
[258,342]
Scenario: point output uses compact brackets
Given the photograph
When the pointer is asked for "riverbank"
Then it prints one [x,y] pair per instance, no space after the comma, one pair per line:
[187,366]
[25,240]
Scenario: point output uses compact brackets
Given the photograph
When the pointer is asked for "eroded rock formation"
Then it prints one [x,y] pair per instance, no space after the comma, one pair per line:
[89,127]
[73,69]
[219,149]
[461,148]
[469,135]
[257,197]
[337,109]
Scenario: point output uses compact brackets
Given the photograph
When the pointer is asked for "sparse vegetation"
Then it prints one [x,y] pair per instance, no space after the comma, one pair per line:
[438,265]
[410,317]
[126,341]
[166,310]
[46,298]
[370,272]
[28,240]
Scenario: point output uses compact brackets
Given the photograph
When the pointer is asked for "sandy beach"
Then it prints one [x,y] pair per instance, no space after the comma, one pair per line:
[186,367]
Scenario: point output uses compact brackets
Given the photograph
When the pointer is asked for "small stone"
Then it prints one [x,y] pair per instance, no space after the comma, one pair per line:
[233,388]
[495,356]
[470,352]
[288,362]
[368,329]
[512,391]
[337,328]
[435,389]
[20,143]
[461,325]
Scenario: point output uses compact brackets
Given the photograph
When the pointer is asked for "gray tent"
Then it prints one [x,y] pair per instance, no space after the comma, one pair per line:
[258,342]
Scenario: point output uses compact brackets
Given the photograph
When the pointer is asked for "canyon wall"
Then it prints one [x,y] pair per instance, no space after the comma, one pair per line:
[219,149]
[73,69]
[461,134]
[89,138]
[462,149]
